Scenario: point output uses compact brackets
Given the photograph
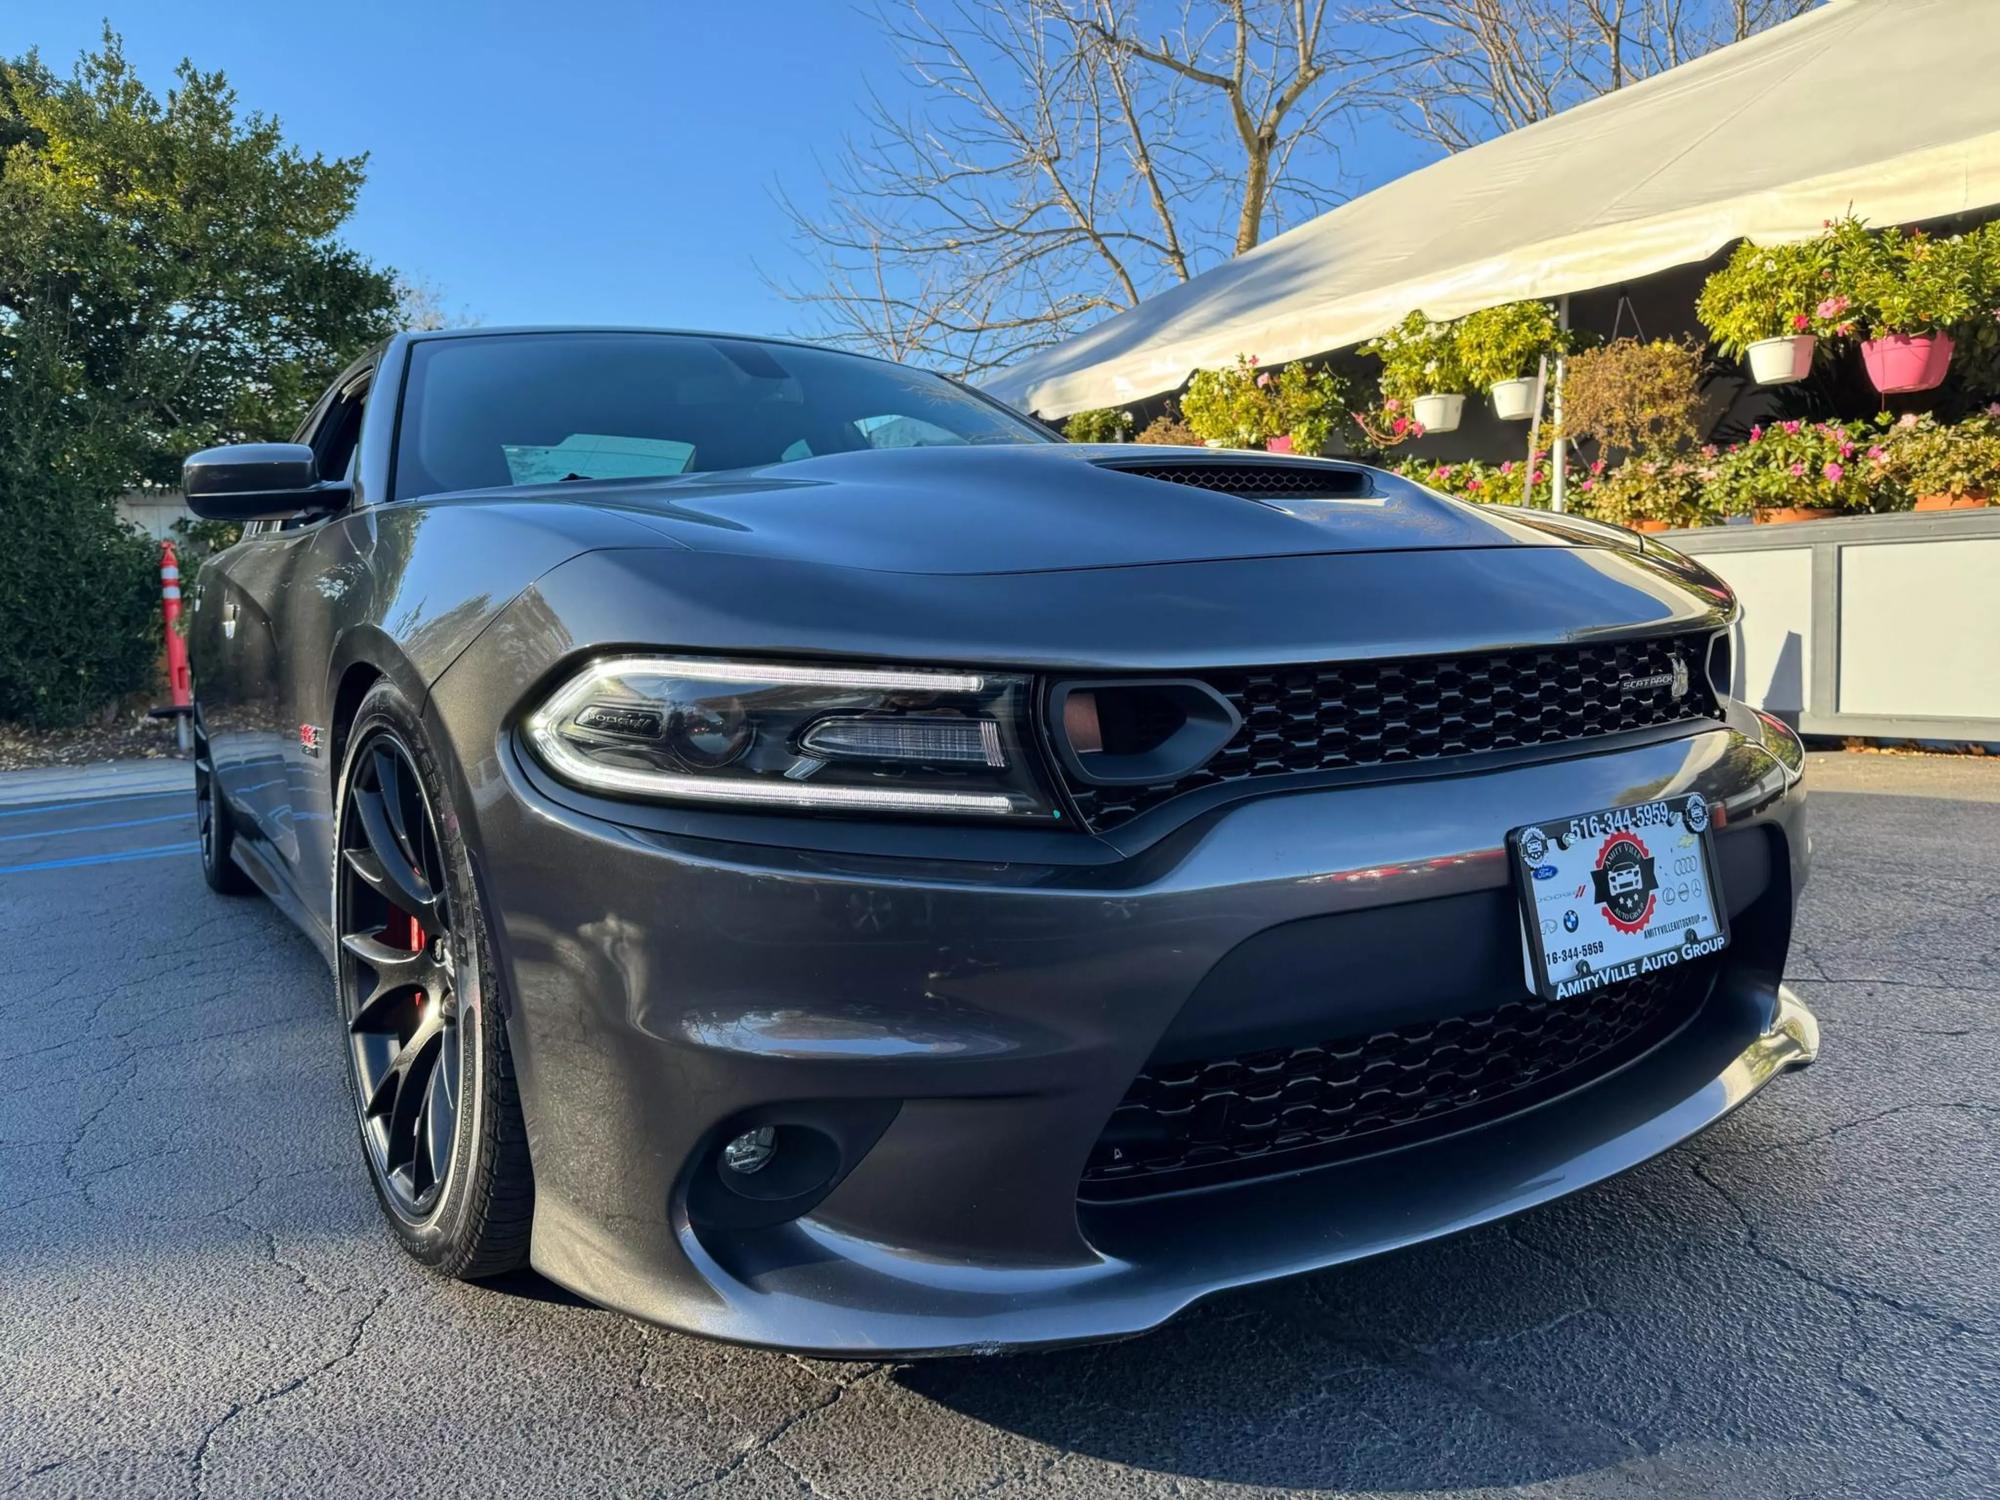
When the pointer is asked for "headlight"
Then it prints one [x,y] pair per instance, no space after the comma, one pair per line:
[761,734]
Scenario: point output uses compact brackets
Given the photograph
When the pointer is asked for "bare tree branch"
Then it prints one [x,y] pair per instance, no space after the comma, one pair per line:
[1064,159]
[1467,70]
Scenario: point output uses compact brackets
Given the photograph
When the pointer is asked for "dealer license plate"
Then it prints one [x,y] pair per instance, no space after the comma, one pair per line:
[1611,895]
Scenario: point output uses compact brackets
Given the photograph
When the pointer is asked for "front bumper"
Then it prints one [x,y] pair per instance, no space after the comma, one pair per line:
[976,1024]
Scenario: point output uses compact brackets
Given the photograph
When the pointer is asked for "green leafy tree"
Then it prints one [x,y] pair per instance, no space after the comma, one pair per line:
[170,277]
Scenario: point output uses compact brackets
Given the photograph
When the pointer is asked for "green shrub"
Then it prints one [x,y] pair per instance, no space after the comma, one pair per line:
[1672,491]
[1311,401]
[1508,342]
[1894,282]
[1232,406]
[1637,399]
[1104,424]
[79,605]
[1808,465]
[1169,430]
[1925,457]
[1768,292]
[1420,358]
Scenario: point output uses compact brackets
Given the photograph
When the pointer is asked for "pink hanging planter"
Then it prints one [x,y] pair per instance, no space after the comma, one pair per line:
[1900,362]
[1278,444]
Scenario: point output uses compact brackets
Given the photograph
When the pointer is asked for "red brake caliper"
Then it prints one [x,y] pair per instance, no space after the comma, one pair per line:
[403,931]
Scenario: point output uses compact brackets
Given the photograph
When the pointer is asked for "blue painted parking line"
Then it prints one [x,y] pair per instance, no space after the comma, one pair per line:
[53,807]
[63,833]
[159,852]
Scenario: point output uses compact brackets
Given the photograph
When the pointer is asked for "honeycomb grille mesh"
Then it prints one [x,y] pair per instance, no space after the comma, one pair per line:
[1330,717]
[1264,1111]
[1258,480]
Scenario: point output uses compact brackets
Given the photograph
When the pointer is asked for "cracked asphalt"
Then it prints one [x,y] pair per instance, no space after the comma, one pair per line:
[196,1298]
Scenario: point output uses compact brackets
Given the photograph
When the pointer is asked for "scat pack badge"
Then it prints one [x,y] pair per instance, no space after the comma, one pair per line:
[1624,883]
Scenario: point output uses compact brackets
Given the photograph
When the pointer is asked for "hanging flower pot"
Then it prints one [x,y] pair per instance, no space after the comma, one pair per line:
[1514,400]
[1278,444]
[1974,500]
[1781,361]
[1438,413]
[1899,362]
[1784,515]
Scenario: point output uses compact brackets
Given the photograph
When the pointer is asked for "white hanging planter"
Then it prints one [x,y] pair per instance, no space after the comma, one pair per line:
[1514,400]
[1781,361]
[1438,413]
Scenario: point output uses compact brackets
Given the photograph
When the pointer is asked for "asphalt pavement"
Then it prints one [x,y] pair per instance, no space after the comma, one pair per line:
[196,1297]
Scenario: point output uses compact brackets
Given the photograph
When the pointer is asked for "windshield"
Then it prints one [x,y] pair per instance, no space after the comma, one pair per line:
[539,408]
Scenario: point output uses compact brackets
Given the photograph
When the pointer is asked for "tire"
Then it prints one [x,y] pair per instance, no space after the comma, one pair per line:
[215,826]
[419,996]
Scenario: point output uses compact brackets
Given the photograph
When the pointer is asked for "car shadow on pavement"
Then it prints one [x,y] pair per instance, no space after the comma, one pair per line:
[1637,1320]
[532,1286]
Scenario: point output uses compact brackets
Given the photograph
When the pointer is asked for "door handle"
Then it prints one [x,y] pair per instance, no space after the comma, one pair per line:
[229,622]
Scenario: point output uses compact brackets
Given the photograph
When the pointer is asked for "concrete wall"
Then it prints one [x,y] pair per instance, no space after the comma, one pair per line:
[1877,626]
[153,511]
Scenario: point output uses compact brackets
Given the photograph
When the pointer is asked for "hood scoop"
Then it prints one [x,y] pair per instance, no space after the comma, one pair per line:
[1253,479]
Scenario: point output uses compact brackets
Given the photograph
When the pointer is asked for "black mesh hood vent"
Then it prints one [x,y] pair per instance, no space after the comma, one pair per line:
[1252,478]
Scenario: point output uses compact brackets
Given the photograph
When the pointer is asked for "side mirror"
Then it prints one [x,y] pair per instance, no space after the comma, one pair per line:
[256,482]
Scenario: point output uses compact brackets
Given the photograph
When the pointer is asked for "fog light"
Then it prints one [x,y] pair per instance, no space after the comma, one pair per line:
[751,1151]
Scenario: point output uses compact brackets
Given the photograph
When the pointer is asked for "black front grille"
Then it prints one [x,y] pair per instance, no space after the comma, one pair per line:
[1258,480]
[1372,713]
[1185,1124]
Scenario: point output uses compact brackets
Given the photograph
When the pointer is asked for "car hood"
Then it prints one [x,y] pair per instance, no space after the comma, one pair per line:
[1046,508]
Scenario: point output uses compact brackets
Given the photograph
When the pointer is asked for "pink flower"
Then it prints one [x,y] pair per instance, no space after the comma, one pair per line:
[1792,427]
[1875,452]
[1264,379]
[1832,307]
[1251,360]
[1798,471]
[1756,433]
[1907,419]
[1507,467]
[1993,410]
[1597,466]
[1536,477]
[1416,429]
[1392,404]
[1471,485]
[1834,473]
[1588,484]
[1800,322]
[1400,426]
[1847,450]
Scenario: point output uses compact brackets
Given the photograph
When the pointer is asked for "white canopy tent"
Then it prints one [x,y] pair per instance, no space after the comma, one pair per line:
[1888,107]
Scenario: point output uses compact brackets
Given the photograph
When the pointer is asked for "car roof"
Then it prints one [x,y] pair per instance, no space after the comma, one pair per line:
[424,335]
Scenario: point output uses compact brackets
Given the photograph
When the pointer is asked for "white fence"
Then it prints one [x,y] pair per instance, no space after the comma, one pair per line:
[1879,626]
[153,511]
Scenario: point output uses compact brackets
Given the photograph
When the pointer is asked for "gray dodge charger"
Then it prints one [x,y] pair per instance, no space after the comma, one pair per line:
[808,858]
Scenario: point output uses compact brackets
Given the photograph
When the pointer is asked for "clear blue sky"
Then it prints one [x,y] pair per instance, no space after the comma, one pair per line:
[537,160]
[544,160]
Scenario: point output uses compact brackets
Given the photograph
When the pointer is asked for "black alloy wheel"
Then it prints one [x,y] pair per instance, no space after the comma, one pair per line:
[401,953]
[419,989]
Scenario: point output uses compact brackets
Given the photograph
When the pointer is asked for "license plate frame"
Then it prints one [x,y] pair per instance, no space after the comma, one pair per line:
[1602,871]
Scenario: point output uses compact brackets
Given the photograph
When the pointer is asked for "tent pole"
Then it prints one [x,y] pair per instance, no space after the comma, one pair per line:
[1559,448]
[1535,431]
